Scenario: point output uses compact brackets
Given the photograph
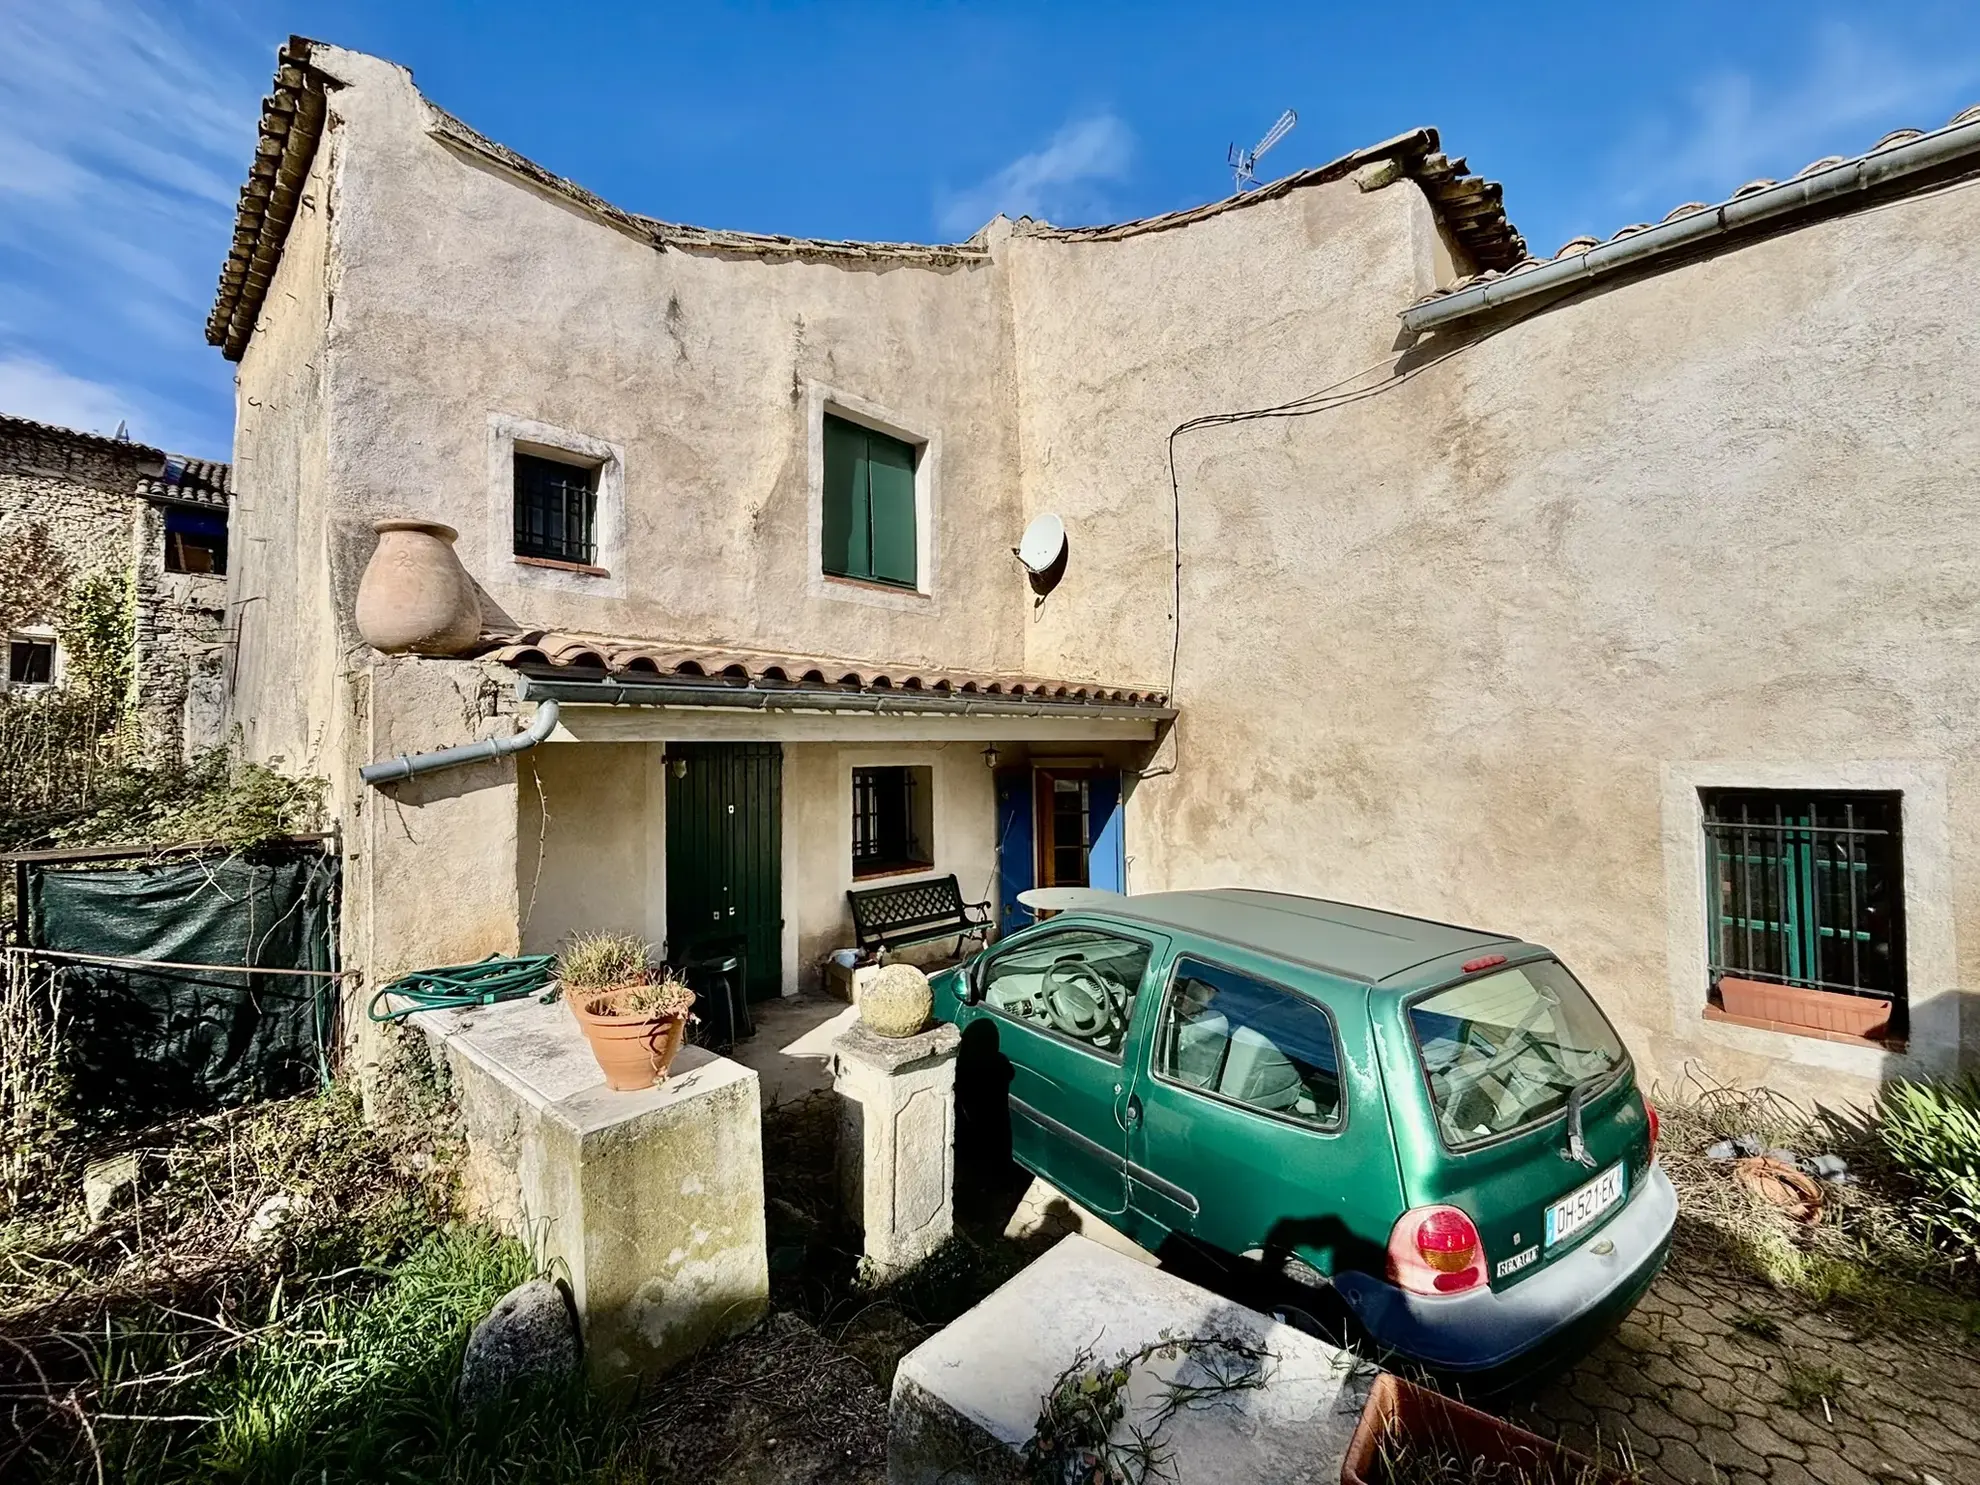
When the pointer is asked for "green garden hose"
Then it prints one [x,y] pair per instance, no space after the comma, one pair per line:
[453,986]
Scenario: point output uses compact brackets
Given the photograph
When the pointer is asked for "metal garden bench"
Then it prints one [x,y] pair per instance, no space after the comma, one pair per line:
[915,913]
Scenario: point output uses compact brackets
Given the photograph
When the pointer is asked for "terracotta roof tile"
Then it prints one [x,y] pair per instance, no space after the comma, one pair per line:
[1583,244]
[643,659]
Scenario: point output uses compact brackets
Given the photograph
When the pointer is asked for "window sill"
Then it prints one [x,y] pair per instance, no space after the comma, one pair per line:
[872,585]
[1893,1044]
[878,873]
[550,564]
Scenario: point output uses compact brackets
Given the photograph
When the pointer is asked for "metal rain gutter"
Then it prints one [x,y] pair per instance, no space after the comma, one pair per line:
[611,692]
[1940,147]
[412,765]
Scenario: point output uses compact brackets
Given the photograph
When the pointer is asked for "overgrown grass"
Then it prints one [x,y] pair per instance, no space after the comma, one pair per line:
[604,961]
[1931,1131]
[1869,1250]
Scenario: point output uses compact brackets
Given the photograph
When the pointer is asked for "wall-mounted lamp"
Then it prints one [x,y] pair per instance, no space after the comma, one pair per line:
[679,766]
[990,756]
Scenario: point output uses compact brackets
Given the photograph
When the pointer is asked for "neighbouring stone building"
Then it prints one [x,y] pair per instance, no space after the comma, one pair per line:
[1621,600]
[73,504]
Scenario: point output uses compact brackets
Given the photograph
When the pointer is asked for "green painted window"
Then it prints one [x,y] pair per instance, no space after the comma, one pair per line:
[869,505]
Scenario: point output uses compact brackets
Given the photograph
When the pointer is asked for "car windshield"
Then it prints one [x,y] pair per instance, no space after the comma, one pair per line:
[1504,1049]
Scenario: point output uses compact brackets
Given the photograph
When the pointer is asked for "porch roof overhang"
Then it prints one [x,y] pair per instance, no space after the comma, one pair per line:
[626,691]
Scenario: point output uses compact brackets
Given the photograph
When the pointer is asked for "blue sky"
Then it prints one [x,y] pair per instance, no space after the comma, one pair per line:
[126,128]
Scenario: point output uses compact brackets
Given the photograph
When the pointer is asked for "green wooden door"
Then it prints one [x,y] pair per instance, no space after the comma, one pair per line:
[725,856]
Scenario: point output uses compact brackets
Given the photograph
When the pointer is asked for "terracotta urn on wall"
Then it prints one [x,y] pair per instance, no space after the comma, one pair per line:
[415,597]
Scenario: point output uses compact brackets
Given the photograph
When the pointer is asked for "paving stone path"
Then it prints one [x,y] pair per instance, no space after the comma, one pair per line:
[1703,1390]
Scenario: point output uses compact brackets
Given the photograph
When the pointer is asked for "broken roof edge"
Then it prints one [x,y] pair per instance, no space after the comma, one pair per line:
[452,131]
[1835,185]
[1471,208]
[285,147]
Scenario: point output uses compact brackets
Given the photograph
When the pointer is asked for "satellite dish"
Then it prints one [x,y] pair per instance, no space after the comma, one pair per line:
[1044,542]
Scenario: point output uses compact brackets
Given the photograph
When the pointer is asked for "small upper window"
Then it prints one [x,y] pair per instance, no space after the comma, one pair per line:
[869,519]
[1250,1043]
[556,510]
[892,825]
[30,661]
[195,540]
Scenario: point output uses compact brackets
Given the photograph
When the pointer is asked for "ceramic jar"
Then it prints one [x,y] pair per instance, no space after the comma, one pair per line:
[415,597]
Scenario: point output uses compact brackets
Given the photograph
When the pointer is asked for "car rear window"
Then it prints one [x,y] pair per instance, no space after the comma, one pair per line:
[1504,1049]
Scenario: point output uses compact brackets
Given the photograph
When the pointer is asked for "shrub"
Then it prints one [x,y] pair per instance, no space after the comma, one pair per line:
[604,961]
[1932,1131]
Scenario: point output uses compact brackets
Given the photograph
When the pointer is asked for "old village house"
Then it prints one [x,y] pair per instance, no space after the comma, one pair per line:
[1621,600]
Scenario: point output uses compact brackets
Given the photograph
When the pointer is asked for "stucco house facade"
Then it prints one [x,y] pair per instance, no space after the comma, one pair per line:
[73,504]
[1619,601]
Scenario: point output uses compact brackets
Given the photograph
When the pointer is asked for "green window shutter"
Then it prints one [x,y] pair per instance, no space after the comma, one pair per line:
[890,466]
[846,523]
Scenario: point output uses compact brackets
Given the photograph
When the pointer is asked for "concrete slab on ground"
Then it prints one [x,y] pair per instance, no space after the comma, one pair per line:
[967,1400]
[1046,1214]
[791,1053]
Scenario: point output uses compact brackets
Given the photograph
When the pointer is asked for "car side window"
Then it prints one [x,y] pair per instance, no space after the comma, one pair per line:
[1079,984]
[1250,1043]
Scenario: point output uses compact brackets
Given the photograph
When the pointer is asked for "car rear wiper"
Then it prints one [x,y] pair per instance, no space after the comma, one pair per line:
[1577,1147]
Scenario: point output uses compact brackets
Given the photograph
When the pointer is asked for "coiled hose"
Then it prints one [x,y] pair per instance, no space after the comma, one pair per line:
[453,986]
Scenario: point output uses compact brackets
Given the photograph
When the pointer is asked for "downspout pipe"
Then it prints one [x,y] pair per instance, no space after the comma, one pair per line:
[412,765]
[1927,152]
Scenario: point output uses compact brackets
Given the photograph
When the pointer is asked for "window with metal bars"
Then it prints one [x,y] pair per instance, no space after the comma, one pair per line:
[1807,889]
[890,820]
[556,510]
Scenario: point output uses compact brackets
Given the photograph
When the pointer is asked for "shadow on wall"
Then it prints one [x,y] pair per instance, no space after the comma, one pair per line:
[1963,1012]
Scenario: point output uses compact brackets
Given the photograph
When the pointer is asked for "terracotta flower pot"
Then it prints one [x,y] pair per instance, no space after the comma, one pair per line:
[633,1051]
[1401,1417]
[415,597]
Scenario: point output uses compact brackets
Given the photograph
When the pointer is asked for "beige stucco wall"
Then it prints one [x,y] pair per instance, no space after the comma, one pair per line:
[818,839]
[591,842]
[469,302]
[1467,647]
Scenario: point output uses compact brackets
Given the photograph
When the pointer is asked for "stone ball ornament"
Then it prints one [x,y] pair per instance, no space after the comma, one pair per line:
[415,597]
[896,1001]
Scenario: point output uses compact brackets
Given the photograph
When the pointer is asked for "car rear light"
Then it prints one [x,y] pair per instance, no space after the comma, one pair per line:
[1650,1115]
[1483,961]
[1436,1250]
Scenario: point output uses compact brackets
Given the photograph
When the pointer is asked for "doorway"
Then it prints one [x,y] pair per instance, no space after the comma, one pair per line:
[725,857]
[1057,827]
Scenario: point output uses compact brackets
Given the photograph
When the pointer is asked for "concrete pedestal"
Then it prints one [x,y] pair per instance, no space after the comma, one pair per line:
[651,1203]
[897,1141]
[966,1401]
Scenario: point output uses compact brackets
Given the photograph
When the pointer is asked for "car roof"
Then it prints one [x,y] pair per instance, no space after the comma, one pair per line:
[1356,943]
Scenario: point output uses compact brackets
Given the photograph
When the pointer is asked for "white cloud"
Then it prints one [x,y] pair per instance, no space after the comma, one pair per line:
[1735,130]
[1062,180]
[34,389]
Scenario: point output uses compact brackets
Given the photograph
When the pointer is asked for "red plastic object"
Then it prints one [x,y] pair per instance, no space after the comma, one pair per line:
[1436,1250]
[1402,1415]
[1483,961]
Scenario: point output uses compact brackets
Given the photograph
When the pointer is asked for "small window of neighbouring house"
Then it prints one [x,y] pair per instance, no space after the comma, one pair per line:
[892,820]
[195,540]
[556,510]
[30,660]
[1805,891]
[869,515]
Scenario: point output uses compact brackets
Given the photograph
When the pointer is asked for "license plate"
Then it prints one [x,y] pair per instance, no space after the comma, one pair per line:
[1578,1210]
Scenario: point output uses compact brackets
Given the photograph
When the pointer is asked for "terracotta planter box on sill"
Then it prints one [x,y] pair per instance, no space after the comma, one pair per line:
[1797,1006]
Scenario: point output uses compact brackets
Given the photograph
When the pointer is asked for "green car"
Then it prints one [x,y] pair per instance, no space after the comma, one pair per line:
[1433,1131]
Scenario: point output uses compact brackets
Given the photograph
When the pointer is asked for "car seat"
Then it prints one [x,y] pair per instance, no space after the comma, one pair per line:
[1258,1073]
[1200,1048]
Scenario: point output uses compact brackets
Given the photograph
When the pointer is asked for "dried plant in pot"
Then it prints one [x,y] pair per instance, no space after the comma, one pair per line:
[633,1017]
[1409,1435]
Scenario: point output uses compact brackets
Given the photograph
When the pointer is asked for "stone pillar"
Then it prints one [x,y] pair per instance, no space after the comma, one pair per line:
[897,1141]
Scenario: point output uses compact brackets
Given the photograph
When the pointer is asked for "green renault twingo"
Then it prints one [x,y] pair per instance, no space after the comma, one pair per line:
[1432,1128]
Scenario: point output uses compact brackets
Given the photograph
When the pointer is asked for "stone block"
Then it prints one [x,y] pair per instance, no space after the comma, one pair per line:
[966,1401]
[897,1141]
[651,1202]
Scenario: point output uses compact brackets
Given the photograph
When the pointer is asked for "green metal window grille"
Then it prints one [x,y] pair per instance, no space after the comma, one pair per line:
[1807,889]
[556,510]
[884,837]
[869,517]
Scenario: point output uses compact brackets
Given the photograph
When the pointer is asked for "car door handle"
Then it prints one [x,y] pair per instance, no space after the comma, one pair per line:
[1132,1119]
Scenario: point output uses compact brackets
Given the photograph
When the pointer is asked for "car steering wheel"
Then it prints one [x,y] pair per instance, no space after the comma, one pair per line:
[1078,999]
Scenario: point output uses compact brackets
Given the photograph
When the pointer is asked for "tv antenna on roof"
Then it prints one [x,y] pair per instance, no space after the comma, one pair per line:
[1244,164]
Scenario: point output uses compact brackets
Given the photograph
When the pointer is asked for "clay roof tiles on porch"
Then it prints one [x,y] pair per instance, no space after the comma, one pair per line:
[649,660]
